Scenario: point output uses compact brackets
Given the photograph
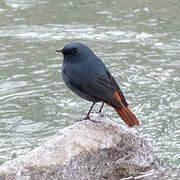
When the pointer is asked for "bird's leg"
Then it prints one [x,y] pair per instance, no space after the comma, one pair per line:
[87,116]
[101,108]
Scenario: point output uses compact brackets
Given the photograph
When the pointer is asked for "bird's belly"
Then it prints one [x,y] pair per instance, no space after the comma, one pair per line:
[77,91]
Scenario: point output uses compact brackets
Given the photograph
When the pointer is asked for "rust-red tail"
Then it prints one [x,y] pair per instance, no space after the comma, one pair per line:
[127,116]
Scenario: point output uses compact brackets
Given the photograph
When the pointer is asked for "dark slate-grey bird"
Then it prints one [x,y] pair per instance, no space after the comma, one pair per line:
[87,76]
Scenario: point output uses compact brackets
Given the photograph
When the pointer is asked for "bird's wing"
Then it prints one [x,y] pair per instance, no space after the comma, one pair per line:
[109,82]
[118,100]
[100,87]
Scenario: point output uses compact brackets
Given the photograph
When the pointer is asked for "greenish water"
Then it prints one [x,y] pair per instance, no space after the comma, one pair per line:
[139,41]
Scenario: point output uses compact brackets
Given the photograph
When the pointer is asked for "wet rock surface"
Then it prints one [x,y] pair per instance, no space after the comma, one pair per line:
[86,150]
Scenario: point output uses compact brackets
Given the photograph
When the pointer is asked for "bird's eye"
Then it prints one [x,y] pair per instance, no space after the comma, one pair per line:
[75,51]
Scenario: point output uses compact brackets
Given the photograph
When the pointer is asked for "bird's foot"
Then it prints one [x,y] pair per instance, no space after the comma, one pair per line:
[100,114]
[86,118]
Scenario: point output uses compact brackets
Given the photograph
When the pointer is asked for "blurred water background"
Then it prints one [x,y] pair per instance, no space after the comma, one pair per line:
[138,40]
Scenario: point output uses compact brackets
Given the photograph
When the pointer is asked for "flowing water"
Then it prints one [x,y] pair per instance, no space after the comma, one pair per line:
[138,40]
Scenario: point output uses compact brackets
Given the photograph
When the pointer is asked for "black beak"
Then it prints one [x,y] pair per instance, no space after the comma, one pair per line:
[59,51]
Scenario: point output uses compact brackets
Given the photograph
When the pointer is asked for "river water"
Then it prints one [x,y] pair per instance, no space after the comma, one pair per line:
[138,40]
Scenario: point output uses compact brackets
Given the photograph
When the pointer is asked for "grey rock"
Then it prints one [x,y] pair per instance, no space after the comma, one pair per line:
[86,150]
[160,174]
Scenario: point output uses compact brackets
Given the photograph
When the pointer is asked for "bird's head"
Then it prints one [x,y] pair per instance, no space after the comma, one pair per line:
[74,52]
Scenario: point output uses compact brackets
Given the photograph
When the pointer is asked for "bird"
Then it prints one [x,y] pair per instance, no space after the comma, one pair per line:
[88,77]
